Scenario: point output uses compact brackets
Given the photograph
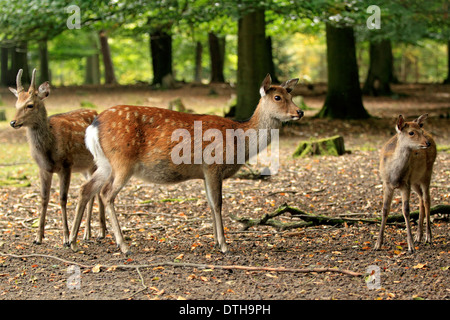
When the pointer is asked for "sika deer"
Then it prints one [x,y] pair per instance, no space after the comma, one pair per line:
[138,141]
[57,146]
[407,162]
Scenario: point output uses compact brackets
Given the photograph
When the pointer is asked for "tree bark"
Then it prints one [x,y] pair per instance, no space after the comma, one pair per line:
[44,74]
[198,62]
[110,77]
[252,62]
[344,98]
[380,73]
[4,66]
[269,58]
[217,56]
[447,81]
[19,60]
[92,72]
[92,75]
[161,50]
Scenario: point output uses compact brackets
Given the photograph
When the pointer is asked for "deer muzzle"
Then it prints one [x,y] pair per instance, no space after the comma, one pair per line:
[15,125]
[299,115]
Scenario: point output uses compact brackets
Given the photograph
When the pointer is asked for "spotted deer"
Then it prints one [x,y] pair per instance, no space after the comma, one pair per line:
[406,161]
[138,141]
[57,146]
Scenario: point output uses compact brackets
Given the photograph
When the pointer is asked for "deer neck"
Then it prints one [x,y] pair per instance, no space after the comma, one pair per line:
[262,120]
[261,123]
[400,163]
[40,137]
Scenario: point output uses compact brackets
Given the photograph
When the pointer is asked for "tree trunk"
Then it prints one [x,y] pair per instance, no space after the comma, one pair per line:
[344,98]
[161,50]
[4,66]
[271,65]
[252,62]
[447,81]
[44,74]
[92,74]
[198,62]
[19,60]
[110,77]
[380,73]
[217,56]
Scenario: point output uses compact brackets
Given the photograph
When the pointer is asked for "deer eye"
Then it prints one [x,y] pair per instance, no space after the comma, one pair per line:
[30,106]
[277,98]
[411,133]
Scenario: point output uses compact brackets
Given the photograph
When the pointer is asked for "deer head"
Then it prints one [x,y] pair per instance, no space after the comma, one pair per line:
[29,105]
[411,134]
[277,100]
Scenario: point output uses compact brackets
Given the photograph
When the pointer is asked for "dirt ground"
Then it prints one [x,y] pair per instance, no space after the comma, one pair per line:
[172,223]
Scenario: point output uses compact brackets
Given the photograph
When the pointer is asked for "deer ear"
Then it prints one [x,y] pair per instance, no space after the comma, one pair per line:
[420,120]
[14,91]
[400,123]
[289,85]
[44,90]
[265,86]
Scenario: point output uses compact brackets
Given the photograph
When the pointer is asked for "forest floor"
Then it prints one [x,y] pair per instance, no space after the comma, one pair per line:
[169,228]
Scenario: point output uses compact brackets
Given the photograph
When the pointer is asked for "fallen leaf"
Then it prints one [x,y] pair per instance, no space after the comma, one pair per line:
[96,268]
[192,276]
[180,256]
[420,266]
[158,268]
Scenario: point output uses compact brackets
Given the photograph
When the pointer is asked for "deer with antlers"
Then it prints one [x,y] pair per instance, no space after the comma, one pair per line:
[57,146]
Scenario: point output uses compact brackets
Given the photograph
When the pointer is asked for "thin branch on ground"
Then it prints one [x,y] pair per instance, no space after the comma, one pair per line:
[188,265]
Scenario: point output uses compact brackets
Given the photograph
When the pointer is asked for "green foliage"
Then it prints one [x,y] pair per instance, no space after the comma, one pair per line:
[296,28]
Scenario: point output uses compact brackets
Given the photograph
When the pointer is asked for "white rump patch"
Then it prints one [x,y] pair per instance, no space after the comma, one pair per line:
[93,145]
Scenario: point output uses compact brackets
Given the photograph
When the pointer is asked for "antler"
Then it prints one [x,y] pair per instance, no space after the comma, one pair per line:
[19,81]
[33,80]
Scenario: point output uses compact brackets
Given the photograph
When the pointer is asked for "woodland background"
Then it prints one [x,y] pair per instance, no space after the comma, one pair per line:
[211,56]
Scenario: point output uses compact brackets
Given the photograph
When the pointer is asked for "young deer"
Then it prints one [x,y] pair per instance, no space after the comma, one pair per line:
[138,141]
[57,146]
[406,162]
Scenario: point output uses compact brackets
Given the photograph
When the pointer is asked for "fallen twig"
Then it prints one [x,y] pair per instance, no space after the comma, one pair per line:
[310,219]
[188,265]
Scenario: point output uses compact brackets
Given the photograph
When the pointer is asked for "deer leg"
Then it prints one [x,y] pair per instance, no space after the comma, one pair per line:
[109,193]
[87,192]
[419,232]
[427,204]
[213,220]
[64,183]
[388,192]
[213,187]
[87,230]
[406,192]
[46,183]
[102,218]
